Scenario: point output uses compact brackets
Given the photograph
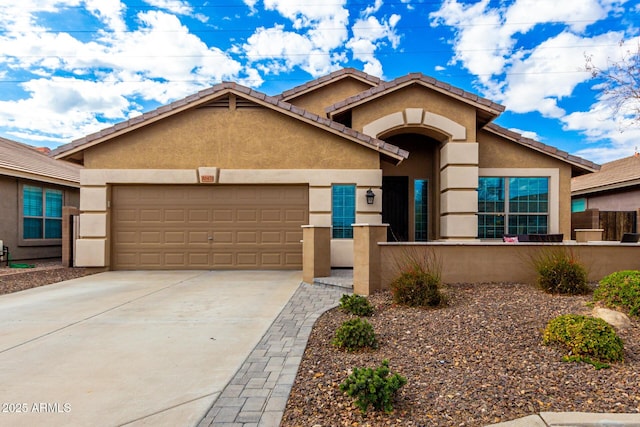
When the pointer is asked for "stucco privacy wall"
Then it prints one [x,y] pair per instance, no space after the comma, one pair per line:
[484,262]
[92,248]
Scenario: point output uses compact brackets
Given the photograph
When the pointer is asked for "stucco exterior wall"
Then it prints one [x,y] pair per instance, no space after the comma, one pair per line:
[498,153]
[322,97]
[10,224]
[245,138]
[417,96]
[614,201]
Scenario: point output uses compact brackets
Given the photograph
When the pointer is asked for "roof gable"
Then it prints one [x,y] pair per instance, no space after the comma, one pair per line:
[582,165]
[345,73]
[216,95]
[487,110]
[22,161]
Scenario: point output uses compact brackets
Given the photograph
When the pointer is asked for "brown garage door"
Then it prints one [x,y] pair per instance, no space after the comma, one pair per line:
[208,227]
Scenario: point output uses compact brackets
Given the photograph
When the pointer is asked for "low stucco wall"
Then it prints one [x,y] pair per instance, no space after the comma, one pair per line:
[482,262]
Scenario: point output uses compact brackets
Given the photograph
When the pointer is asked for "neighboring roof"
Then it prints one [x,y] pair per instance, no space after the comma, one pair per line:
[212,93]
[23,161]
[329,78]
[578,162]
[613,175]
[489,108]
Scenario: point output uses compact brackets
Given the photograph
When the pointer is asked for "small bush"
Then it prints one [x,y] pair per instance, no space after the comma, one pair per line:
[588,339]
[356,304]
[418,283]
[620,290]
[560,272]
[355,334]
[373,387]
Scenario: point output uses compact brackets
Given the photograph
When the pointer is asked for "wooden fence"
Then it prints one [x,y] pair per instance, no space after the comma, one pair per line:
[614,224]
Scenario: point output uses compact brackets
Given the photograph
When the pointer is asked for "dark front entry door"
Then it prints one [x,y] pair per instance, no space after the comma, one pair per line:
[395,207]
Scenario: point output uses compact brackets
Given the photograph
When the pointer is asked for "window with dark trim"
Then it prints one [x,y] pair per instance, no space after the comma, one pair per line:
[512,206]
[343,210]
[41,213]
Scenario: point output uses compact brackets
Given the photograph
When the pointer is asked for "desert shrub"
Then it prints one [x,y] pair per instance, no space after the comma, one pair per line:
[560,272]
[354,334]
[418,284]
[620,290]
[373,387]
[356,304]
[588,339]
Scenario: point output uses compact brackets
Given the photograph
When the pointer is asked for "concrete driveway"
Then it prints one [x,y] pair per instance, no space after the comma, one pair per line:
[131,348]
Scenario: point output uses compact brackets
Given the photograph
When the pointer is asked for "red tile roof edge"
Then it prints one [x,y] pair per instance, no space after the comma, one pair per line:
[415,77]
[547,149]
[250,93]
[336,75]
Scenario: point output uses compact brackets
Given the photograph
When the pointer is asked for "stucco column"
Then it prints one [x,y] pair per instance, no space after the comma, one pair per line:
[459,191]
[316,252]
[366,257]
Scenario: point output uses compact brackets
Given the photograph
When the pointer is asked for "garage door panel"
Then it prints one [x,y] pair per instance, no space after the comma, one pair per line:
[175,215]
[152,237]
[208,227]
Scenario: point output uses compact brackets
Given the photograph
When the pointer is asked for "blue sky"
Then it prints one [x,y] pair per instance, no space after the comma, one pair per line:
[72,67]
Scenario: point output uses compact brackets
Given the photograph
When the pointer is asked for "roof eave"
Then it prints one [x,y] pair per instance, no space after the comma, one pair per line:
[607,187]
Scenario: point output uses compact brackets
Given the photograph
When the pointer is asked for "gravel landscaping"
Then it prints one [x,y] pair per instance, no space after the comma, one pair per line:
[477,361]
[43,273]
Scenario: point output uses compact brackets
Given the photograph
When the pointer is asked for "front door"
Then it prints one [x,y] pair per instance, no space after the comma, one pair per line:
[395,207]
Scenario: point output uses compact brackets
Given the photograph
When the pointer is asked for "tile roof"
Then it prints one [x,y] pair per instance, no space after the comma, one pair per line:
[616,174]
[215,91]
[385,87]
[21,160]
[329,78]
[579,162]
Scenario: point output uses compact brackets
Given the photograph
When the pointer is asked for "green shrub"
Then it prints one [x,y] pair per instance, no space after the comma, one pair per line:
[588,339]
[356,304]
[354,334]
[417,288]
[560,272]
[373,387]
[620,290]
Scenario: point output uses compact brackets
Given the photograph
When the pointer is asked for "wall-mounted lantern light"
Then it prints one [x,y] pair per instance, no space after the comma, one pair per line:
[370,196]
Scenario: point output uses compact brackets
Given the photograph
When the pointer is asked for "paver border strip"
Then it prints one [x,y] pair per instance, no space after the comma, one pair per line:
[257,394]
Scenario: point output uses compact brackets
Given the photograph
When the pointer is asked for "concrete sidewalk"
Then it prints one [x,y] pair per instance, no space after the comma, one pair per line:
[131,348]
[574,419]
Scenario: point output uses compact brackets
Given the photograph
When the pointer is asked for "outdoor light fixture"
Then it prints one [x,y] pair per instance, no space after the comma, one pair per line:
[370,196]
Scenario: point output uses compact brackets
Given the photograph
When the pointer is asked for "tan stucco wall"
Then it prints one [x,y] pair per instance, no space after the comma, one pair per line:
[322,97]
[246,138]
[495,152]
[416,96]
[483,262]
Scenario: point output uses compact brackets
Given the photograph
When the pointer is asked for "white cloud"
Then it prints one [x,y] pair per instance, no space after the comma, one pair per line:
[528,73]
[368,35]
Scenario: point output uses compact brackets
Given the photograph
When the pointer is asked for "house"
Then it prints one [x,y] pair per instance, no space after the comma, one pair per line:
[33,189]
[225,178]
[614,189]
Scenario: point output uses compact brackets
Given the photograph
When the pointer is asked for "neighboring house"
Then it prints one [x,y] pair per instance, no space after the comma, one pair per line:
[225,178]
[608,199]
[33,190]
[615,187]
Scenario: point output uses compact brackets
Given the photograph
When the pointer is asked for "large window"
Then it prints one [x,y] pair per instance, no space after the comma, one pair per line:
[512,206]
[41,213]
[421,205]
[343,212]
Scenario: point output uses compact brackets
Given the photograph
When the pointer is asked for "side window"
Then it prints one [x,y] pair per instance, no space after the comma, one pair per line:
[41,213]
[343,210]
